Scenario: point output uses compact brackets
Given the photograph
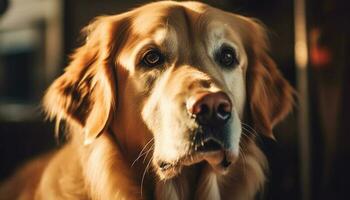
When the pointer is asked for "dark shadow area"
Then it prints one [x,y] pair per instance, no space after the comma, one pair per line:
[22,141]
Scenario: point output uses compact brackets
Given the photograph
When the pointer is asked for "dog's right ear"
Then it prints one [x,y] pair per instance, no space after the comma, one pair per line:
[85,94]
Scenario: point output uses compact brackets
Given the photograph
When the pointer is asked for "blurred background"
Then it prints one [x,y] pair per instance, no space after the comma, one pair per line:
[309,41]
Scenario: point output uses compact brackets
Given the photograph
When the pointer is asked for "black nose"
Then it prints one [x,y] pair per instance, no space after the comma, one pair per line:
[212,109]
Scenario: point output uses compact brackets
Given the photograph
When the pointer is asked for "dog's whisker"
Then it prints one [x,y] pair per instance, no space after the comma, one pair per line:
[242,150]
[251,130]
[142,152]
[251,137]
[248,137]
[149,150]
[144,174]
[244,160]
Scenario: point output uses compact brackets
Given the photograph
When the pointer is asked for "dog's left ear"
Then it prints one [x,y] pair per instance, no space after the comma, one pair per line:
[84,95]
[270,96]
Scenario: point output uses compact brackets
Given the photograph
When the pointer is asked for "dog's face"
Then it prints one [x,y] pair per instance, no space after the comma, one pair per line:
[181,75]
[189,67]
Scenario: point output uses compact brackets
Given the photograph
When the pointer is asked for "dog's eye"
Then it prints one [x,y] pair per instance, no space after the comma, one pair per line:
[227,57]
[152,58]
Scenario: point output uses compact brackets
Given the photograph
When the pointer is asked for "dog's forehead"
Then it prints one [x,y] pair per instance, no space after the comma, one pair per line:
[161,15]
[188,20]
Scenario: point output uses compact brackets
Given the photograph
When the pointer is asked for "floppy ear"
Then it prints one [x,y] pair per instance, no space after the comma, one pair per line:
[270,96]
[85,93]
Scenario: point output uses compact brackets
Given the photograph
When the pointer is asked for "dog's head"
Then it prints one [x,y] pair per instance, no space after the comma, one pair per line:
[184,75]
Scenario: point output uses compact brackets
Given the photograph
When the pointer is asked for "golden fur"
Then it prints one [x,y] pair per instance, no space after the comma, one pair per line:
[122,116]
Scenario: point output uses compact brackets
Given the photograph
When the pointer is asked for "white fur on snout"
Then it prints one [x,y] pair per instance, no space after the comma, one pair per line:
[232,80]
[236,132]
[166,120]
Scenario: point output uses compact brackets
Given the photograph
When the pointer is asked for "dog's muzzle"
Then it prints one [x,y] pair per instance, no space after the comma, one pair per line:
[212,113]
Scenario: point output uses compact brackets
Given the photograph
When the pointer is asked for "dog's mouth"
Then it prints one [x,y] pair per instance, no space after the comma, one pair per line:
[211,151]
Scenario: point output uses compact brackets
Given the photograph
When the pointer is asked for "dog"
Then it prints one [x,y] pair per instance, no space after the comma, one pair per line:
[162,102]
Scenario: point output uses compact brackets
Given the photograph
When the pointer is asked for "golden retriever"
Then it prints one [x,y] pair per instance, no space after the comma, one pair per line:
[162,102]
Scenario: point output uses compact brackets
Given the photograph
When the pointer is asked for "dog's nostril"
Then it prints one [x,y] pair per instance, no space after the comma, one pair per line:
[203,110]
[223,112]
[211,109]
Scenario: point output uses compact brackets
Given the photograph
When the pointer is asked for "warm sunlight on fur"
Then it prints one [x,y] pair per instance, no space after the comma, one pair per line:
[161,102]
